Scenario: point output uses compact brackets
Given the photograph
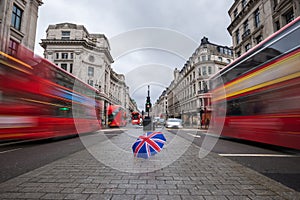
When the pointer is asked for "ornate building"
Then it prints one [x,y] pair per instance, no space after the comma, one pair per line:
[188,93]
[86,56]
[254,20]
[18,21]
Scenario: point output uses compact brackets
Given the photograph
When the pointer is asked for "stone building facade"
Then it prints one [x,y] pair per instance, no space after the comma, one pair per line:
[188,93]
[18,22]
[254,20]
[86,56]
[160,108]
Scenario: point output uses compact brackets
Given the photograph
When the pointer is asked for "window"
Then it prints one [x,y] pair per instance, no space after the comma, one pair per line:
[220,59]
[207,85]
[204,72]
[194,89]
[220,49]
[64,55]
[91,82]
[71,68]
[247,47]
[65,35]
[246,29]
[277,25]
[16,17]
[235,12]
[203,58]
[289,16]
[225,51]
[244,3]
[256,18]
[204,83]
[275,3]
[63,66]
[237,37]
[57,55]
[91,71]
[209,70]
[13,47]
[72,55]
[258,39]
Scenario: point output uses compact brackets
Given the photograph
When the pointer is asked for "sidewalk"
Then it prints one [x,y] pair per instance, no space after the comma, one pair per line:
[167,175]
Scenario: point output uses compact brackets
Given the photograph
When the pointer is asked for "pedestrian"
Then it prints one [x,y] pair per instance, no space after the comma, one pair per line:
[202,122]
[207,123]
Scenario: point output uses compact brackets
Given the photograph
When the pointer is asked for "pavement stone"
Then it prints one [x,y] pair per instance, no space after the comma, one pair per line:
[82,176]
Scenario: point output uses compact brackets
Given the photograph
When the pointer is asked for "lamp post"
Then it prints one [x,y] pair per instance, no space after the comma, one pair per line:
[147,122]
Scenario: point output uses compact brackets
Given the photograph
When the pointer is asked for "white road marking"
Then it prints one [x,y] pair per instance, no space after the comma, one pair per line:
[256,155]
[9,150]
[110,130]
[198,136]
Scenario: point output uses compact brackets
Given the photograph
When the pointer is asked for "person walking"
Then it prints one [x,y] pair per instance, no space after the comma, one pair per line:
[207,123]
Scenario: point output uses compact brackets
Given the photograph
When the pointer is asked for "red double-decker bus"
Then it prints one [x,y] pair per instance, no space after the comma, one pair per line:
[116,116]
[257,96]
[40,100]
[136,118]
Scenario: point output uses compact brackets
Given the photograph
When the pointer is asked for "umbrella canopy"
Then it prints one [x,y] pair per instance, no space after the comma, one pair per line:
[148,144]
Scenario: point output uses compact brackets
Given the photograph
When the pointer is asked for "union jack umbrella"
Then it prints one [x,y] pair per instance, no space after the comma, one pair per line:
[148,144]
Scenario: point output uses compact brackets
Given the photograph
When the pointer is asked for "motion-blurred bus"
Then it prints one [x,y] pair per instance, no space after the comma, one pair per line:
[116,116]
[257,97]
[136,118]
[40,100]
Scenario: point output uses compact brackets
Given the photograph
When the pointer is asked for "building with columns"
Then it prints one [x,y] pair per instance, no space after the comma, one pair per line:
[18,22]
[254,20]
[86,56]
[189,93]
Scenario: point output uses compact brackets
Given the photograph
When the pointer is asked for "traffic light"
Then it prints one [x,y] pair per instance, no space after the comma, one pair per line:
[148,104]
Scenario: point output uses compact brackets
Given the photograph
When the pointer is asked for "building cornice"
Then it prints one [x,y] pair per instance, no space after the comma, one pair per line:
[84,43]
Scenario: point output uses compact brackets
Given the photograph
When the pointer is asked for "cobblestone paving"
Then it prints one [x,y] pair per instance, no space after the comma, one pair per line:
[81,176]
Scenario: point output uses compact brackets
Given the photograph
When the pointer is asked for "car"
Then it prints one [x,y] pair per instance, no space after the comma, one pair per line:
[174,123]
[158,122]
[156,119]
[161,122]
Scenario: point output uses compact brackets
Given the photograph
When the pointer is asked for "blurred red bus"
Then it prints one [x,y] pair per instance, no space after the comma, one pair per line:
[261,92]
[116,116]
[136,118]
[40,100]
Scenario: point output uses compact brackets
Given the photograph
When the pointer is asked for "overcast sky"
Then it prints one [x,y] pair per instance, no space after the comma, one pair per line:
[148,39]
